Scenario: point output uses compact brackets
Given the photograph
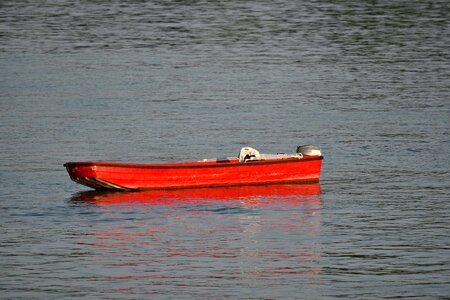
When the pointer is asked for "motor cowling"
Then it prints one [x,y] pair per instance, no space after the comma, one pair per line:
[308,150]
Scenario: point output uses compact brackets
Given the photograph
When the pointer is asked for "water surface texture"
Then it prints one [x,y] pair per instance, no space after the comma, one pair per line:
[162,81]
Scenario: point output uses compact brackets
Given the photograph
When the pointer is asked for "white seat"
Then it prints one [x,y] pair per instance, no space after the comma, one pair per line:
[248,153]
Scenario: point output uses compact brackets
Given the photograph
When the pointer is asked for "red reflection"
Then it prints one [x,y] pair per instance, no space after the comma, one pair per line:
[272,237]
[251,195]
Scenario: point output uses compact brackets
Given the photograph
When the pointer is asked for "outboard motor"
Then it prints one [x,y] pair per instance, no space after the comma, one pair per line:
[309,150]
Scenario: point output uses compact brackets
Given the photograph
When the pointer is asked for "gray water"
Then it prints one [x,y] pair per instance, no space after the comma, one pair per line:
[162,81]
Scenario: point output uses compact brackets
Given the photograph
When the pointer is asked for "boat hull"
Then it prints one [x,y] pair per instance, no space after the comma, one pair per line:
[126,176]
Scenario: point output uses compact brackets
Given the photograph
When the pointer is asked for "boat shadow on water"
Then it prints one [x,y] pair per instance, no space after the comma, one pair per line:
[248,195]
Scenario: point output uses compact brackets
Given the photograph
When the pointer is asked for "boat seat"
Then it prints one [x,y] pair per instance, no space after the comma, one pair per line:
[249,153]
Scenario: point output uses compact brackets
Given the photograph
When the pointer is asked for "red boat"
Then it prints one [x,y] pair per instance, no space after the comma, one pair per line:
[249,168]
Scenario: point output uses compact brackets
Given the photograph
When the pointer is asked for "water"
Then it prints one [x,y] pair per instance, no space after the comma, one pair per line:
[163,81]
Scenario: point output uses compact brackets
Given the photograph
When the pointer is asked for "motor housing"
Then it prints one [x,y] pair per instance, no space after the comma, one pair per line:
[308,150]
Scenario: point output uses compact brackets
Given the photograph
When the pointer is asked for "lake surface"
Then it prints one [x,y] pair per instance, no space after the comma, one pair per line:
[162,81]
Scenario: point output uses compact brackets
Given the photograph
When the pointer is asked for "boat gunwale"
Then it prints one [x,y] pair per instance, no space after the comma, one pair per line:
[191,165]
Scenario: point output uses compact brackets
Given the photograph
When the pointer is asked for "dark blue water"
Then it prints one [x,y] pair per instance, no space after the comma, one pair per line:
[161,81]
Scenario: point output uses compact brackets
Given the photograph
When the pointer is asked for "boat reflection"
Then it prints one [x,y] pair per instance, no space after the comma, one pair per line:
[146,243]
[250,195]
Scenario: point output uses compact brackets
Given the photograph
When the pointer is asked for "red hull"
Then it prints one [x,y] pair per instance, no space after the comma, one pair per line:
[127,176]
